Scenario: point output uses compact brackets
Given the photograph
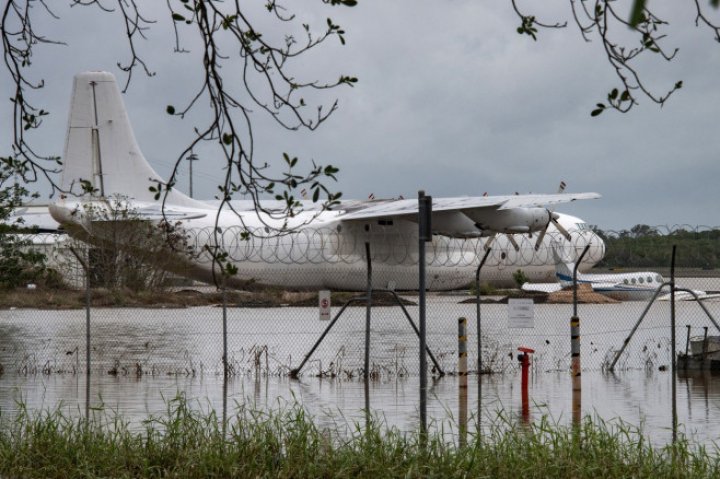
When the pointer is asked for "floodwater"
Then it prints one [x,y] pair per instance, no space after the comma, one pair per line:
[142,358]
[635,398]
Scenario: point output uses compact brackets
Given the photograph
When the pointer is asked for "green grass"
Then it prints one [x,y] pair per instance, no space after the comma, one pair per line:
[185,442]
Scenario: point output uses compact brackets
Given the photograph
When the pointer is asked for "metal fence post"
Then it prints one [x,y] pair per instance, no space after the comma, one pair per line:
[575,368]
[368,310]
[462,380]
[224,357]
[224,330]
[85,264]
[462,352]
[672,349]
[87,336]
[368,315]
[479,331]
[425,235]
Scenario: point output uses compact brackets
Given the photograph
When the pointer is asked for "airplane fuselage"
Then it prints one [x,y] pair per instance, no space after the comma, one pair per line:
[329,253]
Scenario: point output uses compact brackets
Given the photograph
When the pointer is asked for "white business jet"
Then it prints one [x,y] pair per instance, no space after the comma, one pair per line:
[330,250]
[636,286]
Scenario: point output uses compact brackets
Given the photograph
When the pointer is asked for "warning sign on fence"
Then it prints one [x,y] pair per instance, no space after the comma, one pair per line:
[521,313]
[324,305]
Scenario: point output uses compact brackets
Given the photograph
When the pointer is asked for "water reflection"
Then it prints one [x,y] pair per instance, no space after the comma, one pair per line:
[637,398]
[702,392]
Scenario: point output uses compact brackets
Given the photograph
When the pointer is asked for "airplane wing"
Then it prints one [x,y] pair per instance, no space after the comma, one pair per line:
[607,287]
[81,212]
[685,296]
[34,217]
[155,212]
[467,217]
[396,208]
[541,287]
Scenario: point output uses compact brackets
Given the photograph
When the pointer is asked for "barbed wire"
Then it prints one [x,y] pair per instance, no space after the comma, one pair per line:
[321,248]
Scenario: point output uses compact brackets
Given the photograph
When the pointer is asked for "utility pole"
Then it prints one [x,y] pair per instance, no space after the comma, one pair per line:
[191,157]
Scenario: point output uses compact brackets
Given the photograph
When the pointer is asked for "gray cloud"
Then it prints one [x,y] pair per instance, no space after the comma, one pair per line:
[450,100]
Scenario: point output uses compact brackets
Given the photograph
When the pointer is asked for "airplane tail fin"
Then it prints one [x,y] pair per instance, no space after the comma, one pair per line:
[563,268]
[100,147]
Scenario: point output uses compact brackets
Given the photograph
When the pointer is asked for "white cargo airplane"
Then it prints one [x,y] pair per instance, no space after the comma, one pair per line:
[327,252]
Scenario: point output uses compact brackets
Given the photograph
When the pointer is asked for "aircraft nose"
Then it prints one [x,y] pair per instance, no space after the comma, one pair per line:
[597,248]
[595,253]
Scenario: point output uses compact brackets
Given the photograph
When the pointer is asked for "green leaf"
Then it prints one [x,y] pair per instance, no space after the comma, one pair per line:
[170,110]
[347,79]
[636,14]
[613,94]
[679,84]
[330,170]
[178,18]
[231,269]
[596,112]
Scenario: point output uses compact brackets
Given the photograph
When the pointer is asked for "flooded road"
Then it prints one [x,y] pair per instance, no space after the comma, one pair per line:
[141,358]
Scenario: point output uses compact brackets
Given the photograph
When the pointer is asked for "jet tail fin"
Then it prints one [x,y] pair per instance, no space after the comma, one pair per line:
[563,268]
[100,147]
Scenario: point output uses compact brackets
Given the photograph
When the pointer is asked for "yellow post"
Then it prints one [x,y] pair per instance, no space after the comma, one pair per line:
[462,380]
[575,370]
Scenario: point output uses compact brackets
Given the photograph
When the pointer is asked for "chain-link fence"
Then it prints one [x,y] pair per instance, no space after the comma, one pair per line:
[270,331]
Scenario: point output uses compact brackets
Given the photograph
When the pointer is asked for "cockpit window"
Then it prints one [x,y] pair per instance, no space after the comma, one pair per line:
[582,226]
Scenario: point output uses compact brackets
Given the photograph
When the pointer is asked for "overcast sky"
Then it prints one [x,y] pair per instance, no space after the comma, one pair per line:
[450,99]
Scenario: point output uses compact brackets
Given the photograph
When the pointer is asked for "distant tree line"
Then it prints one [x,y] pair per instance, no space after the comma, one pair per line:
[647,246]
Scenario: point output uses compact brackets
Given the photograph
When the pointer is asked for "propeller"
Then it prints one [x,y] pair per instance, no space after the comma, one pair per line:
[513,242]
[489,241]
[553,218]
[508,236]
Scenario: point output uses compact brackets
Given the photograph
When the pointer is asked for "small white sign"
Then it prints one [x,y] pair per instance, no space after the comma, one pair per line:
[521,313]
[324,304]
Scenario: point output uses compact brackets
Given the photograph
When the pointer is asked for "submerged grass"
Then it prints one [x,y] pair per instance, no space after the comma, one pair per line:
[187,442]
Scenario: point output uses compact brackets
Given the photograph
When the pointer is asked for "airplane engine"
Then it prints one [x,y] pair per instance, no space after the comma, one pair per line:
[511,221]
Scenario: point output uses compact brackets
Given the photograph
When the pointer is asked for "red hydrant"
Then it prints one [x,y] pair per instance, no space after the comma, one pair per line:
[524,359]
